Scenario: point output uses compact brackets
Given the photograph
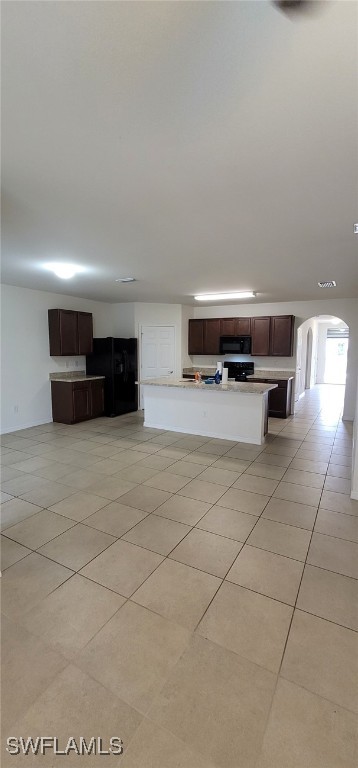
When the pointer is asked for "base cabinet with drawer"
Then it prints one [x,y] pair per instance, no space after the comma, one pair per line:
[74,401]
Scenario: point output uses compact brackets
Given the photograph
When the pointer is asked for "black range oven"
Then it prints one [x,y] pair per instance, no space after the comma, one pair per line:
[239,371]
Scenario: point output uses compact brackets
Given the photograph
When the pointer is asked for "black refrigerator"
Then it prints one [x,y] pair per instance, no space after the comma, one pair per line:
[116,359]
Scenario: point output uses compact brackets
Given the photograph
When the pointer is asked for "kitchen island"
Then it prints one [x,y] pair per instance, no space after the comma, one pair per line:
[233,411]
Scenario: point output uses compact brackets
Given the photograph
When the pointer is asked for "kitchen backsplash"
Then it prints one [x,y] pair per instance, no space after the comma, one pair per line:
[281,363]
[59,364]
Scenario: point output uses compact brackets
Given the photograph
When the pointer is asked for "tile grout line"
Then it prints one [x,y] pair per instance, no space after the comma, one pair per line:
[289,631]
[300,583]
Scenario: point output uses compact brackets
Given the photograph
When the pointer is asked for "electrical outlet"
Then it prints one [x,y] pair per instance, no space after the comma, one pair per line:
[16,409]
[76,363]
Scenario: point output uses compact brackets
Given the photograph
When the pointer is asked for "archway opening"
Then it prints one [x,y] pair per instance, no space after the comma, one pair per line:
[321,355]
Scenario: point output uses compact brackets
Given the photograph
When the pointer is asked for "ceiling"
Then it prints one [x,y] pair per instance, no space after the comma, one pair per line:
[197,147]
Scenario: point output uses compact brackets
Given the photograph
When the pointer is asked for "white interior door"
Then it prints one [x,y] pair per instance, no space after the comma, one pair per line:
[157,352]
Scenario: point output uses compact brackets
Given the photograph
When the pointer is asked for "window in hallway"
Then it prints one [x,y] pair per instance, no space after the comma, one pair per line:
[336,356]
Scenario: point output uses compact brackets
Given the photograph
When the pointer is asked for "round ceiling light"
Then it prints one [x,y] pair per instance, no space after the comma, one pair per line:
[63,270]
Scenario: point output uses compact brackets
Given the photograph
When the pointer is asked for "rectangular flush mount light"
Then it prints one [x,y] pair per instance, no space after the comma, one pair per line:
[224,296]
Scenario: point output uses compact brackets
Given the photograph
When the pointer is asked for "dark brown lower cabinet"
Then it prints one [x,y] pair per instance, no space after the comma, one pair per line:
[279,399]
[97,390]
[81,397]
[74,401]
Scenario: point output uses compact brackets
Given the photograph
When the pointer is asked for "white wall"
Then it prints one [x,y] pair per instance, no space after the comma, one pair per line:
[26,361]
[187,313]
[354,491]
[300,381]
[345,309]
[123,320]
[321,352]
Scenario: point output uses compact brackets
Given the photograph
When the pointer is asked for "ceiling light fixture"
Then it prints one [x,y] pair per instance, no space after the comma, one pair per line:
[327,284]
[64,271]
[355,229]
[225,296]
[125,280]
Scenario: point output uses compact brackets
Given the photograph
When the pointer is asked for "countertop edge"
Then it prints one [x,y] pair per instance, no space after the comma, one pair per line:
[246,388]
[74,379]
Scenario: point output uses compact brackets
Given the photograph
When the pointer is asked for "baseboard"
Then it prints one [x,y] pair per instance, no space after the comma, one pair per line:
[26,426]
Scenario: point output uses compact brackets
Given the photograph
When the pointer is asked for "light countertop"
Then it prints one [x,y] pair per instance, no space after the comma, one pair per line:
[70,378]
[232,386]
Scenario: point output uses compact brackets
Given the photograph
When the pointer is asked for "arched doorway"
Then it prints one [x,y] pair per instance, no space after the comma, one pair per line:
[319,339]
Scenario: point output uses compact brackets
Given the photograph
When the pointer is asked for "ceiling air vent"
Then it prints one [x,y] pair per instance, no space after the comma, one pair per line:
[327,284]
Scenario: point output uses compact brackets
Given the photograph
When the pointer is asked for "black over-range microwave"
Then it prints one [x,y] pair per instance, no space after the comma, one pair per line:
[233,345]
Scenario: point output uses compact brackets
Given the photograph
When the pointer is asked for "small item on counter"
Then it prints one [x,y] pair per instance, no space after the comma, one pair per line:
[198,377]
[219,367]
[217,377]
[225,375]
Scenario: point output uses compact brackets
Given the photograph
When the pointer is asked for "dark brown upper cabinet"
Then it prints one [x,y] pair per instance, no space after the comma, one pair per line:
[271,336]
[260,335]
[85,333]
[212,334]
[70,333]
[63,333]
[196,337]
[242,326]
[227,326]
[235,326]
[282,328]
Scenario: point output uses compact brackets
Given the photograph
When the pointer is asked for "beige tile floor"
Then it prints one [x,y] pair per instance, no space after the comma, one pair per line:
[197,597]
